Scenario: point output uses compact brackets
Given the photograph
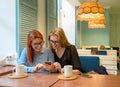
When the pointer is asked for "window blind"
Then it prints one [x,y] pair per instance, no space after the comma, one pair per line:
[28,10]
[52,15]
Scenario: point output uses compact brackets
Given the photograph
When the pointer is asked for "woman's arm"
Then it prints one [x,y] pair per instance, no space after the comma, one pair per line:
[51,59]
[75,59]
[23,61]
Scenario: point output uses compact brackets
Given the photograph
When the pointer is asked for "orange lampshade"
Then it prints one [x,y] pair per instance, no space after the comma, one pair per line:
[89,11]
[97,23]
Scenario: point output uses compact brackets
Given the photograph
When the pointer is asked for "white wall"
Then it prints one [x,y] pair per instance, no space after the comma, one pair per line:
[7,27]
[68,20]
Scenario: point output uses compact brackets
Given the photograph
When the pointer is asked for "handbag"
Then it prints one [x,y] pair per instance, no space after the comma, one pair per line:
[101,70]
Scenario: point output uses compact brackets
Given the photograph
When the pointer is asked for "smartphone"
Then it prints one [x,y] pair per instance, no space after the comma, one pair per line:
[47,62]
[86,75]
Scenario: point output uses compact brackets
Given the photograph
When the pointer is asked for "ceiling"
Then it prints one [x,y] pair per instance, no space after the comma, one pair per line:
[113,5]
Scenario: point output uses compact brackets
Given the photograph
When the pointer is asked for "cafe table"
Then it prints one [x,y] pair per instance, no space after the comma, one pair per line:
[95,81]
[52,80]
[6,69]
[33,80]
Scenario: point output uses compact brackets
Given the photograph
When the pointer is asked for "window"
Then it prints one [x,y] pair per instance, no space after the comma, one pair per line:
[27,20]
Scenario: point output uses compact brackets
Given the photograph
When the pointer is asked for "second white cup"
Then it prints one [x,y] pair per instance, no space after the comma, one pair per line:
[68,71]
[19,70]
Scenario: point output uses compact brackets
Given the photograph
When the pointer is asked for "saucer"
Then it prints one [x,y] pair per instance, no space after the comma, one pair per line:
[14,76]
[62,77]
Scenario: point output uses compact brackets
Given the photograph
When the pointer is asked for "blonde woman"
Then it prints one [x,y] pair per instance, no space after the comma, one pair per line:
[64,52]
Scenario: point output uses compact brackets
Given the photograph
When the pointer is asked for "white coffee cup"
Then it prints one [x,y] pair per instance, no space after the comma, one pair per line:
[68,71]
[20,70]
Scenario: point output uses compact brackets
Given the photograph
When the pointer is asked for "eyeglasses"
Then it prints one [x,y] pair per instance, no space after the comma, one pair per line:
[54,42]
[38,43]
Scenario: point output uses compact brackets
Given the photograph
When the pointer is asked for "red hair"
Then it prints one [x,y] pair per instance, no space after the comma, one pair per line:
[31,36]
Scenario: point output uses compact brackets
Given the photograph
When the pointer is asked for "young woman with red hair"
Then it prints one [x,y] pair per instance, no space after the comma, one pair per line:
[34,56]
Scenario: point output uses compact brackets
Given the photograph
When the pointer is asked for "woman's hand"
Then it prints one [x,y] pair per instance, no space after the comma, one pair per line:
[77,72]
[49,67]
[37,67]
[57,66]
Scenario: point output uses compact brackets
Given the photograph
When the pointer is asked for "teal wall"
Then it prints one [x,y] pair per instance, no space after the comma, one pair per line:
[95,37]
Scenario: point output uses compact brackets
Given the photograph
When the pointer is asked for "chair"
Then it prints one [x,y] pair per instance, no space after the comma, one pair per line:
[116,48]
[108,48]
[89,63]
[102,52]
[94,51]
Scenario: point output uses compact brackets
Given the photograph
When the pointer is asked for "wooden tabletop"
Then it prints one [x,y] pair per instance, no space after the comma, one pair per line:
[6,69]
[51,80]
[33,80]
[95,81]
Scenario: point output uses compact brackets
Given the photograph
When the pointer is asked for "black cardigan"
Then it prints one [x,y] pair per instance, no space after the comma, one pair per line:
[69,57]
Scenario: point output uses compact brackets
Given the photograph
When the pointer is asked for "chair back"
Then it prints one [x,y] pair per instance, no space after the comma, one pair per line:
[89,63]
[102,52]
[116,48]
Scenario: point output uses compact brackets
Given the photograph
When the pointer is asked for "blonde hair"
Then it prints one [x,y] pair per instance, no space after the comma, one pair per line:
[102,47]
[61,37]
